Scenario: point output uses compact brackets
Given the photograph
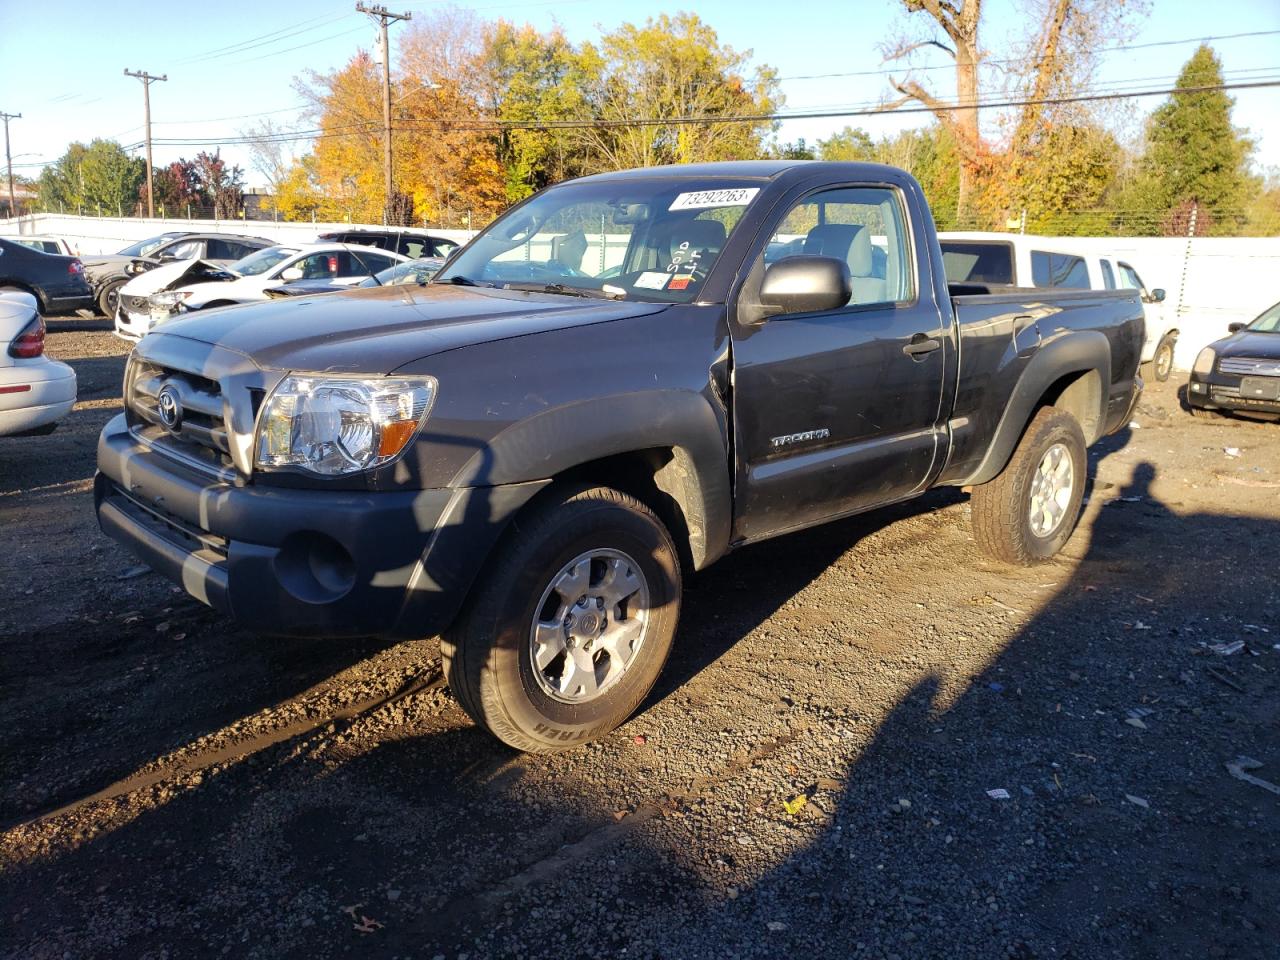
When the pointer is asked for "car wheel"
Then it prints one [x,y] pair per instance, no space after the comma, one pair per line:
[1202,413]
[1162,360]
[569,625]
[109,298]
[1029,511]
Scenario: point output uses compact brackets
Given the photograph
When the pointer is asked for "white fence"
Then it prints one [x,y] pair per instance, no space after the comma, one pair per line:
[1209,282]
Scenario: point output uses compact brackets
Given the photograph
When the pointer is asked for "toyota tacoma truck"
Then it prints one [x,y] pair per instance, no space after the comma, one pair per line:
[624,377]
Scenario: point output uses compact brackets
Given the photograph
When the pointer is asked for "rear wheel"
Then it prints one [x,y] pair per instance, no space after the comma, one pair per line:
[569,626]
[1029,511]
[1202,413]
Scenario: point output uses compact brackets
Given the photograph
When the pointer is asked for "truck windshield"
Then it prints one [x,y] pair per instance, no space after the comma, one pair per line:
[970,261]
[653,240]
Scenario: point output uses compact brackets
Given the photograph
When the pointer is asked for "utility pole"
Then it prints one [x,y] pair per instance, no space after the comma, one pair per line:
[384,17]
[147,79]
[13,210]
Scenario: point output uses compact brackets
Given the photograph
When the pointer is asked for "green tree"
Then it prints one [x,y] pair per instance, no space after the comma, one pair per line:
[98,178]
[671,68]
[1194,155]
[851,143]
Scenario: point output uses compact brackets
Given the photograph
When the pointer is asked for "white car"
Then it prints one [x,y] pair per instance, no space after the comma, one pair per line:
[35,391]
[46,244]
[159,294]
[1026,260]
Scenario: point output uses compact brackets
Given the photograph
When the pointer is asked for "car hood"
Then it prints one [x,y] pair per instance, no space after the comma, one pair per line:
[1249,343]
[169,276]
[376,330]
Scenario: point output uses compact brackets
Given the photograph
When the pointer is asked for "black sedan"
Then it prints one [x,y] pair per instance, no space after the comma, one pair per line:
[57,282]
[1240,373]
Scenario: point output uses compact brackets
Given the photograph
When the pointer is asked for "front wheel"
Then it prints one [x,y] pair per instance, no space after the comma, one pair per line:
[1162,359]
[109,298]
[569,626]
[1027,513]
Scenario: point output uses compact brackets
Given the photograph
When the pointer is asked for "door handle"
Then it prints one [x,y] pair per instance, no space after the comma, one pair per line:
[921,345]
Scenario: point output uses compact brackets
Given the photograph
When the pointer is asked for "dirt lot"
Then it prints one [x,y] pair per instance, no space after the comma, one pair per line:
[173,787]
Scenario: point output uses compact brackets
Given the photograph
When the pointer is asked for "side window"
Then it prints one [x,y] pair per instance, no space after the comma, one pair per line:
[1058,270]
[1131,278]
[1108,277]
[863,226]
[442,248]
[372,263]
[182,250]
[318,266]
[227,249]
[412,247]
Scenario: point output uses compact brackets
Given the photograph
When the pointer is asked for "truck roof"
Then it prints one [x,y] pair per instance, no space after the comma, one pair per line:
[754,169]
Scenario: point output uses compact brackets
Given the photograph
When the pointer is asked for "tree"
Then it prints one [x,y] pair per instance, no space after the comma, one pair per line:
[269,151]
[222,187]
[177,187]
[671,68]
[99,178]
[851,143]
[1193,154]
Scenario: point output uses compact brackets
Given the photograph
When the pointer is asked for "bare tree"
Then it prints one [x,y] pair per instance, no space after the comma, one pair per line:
[269,151]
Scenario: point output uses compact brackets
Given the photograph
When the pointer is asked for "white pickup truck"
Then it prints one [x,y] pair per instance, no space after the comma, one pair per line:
[1025,260]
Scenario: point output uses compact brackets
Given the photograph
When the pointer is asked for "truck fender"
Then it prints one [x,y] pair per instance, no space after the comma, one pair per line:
[692,425]
[1081,352]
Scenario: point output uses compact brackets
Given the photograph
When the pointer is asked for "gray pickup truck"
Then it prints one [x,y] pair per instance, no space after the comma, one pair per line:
[624,377]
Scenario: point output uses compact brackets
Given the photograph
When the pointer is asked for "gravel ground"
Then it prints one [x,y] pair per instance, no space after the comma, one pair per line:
[171,786]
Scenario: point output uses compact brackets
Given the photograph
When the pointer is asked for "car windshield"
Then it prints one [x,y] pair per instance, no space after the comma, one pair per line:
[261,261]
[1269,322]
[144,247]
[653,240]
[412,271]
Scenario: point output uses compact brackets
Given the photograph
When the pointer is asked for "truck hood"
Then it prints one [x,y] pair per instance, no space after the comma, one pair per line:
[169,276]
[376,330]
[1250,343]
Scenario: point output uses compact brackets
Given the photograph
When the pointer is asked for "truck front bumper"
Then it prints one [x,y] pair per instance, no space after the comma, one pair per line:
[301,562]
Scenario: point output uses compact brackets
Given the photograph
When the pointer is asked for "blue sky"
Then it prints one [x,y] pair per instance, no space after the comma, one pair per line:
[69,85]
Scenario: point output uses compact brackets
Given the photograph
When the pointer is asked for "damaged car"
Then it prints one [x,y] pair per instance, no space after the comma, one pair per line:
[171,289]
[415,272]
[107,273]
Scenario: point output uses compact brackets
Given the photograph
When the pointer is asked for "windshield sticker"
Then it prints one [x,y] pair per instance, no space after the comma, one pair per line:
[704,199]
[651,280]
[681,282]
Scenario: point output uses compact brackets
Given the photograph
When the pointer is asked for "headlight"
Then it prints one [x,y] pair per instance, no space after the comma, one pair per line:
[1204,362]
[168,298]
[338,425]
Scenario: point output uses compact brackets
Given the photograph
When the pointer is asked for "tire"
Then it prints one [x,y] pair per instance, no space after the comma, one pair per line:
[581,539]
[109,298]
[1003,520]
[1201,413]
[1162,359]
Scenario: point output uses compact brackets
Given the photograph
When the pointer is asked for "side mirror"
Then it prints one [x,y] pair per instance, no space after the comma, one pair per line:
[806,284]
[1236,327]
[1157,295]
[290,274]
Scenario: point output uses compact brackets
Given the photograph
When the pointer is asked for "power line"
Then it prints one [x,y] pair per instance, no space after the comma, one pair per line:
[482,124]
[951,66]
[265,39]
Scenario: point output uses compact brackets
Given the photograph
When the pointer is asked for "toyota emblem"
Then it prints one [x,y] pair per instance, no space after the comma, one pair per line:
[169,406]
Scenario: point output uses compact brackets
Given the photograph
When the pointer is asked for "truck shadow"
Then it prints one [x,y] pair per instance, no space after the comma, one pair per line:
[444,836]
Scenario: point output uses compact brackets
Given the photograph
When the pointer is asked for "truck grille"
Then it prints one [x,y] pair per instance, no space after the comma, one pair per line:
[1249,367]
[181,413]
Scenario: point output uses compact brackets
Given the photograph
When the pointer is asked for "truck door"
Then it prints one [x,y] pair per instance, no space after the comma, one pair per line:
[839,411]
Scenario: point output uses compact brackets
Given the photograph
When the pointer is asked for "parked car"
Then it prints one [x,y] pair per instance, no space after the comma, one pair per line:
[519,455]
[36,391]
[46,244]
[410,272]
[165,291]
[108,273]
[1024,260]
[1240,373]
[56,281]
[413,245]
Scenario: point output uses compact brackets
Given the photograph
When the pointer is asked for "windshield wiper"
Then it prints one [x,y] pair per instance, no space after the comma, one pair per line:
[461,281]
[561,289]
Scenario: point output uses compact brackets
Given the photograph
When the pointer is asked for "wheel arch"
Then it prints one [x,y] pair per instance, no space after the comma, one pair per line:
[1072,373]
